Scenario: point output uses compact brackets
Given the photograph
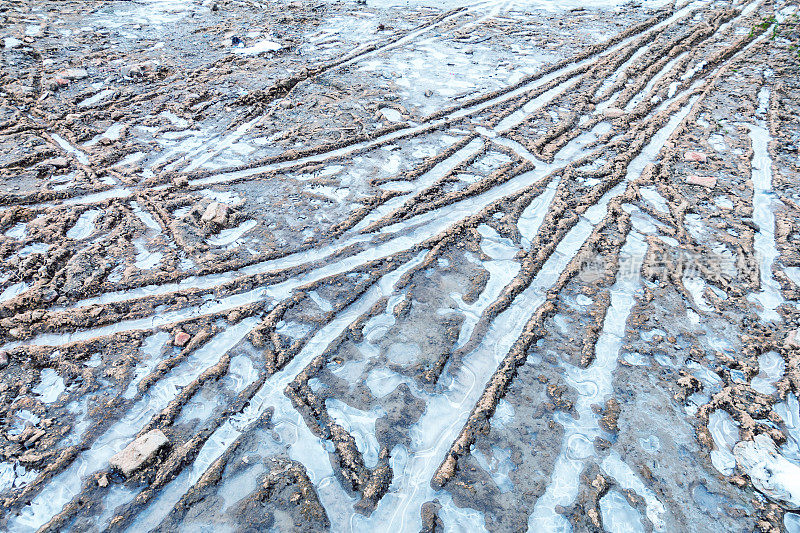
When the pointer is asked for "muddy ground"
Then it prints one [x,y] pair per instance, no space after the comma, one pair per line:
[399,266]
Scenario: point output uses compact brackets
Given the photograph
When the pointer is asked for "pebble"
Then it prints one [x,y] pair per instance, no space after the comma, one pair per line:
[139,452]
[181,338]
[792,340]
[705,181]
[215,212]
[698,157]
[73,74]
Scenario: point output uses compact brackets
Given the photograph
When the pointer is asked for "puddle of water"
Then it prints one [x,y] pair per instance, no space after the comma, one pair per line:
[84,226]
[18,231]
[12,291]
[618,514]
[50,386]
[770,296]
[231,235]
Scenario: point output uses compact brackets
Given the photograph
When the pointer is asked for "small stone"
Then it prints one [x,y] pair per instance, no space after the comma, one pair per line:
[138,70]
[180,181]
[58,162]
[139,452]
[792,340]
[698,157]
[705,181]
[215,212]
[73,74]
[103,481]
[285,103]
[181,338]
[428,93]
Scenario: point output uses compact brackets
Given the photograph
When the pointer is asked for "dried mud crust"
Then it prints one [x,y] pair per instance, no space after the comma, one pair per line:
[369,267]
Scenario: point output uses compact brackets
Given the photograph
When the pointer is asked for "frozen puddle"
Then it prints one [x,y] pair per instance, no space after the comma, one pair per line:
[50,386]
[84,226]
[17,231]
[12,291]
[67,147]
[146,260]
[231,235]
[725,434]
[618,515]
[770,296]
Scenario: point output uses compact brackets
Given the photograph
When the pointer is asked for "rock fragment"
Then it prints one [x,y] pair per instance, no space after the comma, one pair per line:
[73,74]
[703,181]
[792,340]
[181,338]
[698,157]
[139,452]
[216,213]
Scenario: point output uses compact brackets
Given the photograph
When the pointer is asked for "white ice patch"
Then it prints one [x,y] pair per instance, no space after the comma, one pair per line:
[150,350]
[614,466]
[67,147]
[50,386]
[18,231]
[392,115]
[145,259]
[769,296]
[724,431]
[65,485]
[84,226]
[259,47]
[145,217]
[12,476]
[771,473]
[771,367]
[618,514]
[232,235]
[12,291]
[531,218]
[651,195]
[97,98]
[498,465]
